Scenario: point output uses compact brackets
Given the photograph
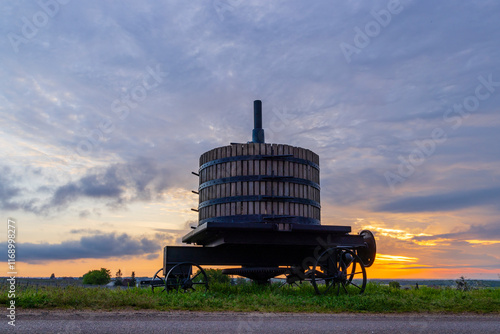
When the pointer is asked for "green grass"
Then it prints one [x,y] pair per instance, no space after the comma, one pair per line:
[250,297]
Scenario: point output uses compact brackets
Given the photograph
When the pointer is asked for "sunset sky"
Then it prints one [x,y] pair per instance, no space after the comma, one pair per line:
[106,106]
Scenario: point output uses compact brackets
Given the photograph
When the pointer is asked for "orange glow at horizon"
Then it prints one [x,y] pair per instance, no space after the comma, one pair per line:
[385,267]
[392,263]
[416,265]
[77,268]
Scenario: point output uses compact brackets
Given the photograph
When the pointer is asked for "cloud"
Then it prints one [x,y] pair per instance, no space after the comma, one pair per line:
[85,231]
[451,201]
[475,232]
[95,246]
[11,194]
[96,184]
[7,191]
[116,186]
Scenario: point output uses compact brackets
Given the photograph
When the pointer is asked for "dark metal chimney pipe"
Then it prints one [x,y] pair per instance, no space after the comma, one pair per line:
[258,131]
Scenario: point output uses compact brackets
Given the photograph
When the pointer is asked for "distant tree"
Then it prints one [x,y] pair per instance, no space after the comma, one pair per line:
[133,280]
[119,273]
[98,277]
[118,280]
[53,276]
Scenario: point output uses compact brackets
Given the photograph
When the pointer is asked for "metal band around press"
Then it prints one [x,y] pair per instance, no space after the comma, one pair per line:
[234,219]
[257,178]
[286,157]
[259,198]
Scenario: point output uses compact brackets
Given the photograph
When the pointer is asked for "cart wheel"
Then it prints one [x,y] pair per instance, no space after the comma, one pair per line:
[158,281]
[341,270]
[181,277]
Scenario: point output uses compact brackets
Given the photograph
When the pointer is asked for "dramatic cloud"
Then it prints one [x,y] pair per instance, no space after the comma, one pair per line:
[474,233]
[95,246]
[120,183]
[445,202]
[115,185]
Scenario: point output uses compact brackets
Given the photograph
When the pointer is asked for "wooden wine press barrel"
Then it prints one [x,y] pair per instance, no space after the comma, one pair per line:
[259,182]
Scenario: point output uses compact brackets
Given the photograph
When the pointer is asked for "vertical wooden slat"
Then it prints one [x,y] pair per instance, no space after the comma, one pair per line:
[227,206]
[307,169]
[233,184]
[244,190]
[279,172]
[239,167]
[299,174]
[207,177]
[213,172]
[286,186]
[269,184]
[274,171]
[291,172]
[218,186]
[295,186]
[251,184]
[263,171]
[256,171]
[220,174]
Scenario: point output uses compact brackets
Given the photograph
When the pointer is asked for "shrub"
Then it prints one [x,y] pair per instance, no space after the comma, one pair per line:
[463,284]
[394,285]
[216,276]
[98,277]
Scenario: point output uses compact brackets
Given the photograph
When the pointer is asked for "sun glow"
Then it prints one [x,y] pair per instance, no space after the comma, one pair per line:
[433,242]
[394,233]
[395,258]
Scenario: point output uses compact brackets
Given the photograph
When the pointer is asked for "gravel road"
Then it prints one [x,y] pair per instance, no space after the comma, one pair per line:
[122,322]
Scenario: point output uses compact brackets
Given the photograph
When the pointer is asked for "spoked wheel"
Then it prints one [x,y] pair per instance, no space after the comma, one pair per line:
[158,282]
[340,270]
[182,278]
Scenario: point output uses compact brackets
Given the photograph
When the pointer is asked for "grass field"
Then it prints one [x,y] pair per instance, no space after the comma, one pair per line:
[250,297]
